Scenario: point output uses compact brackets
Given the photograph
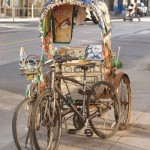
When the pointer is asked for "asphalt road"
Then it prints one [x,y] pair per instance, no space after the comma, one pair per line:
[132,37]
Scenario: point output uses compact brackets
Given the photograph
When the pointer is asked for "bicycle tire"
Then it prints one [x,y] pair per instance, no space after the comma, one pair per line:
[17,121]
[103,102]
[124,93]
[41,116]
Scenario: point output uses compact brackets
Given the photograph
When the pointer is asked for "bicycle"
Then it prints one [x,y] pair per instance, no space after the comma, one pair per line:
[100,103]
[21,122]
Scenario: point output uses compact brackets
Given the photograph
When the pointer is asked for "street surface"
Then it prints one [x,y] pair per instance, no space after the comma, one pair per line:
[132,37]
[134,40]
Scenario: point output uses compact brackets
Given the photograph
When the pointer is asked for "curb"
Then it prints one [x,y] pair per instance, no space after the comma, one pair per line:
[18,20]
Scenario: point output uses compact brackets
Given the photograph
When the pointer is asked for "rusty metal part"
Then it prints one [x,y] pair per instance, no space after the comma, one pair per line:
[117,79]
[111,78]
[125,102]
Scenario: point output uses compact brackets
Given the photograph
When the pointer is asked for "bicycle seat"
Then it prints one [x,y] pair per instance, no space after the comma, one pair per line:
[86,66]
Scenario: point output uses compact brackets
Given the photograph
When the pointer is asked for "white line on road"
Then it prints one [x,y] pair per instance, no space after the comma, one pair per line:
[145,32]
[9,30]
[14,26]
[18,30]
[86,41]
[124,36]
[8,43]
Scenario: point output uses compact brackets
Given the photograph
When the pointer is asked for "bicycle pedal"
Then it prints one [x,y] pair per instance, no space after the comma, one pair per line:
[72,131]
[88,132]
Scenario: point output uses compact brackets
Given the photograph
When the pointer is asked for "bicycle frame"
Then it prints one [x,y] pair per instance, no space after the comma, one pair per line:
[73,108]
[54,87]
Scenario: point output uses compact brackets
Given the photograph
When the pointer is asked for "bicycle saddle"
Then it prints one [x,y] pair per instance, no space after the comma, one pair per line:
[86,66]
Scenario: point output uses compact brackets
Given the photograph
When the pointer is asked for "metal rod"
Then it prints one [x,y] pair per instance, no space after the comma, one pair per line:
[32,11]
[13,10]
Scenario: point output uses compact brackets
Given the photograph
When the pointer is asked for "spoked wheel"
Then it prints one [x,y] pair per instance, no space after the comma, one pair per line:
[21,126]
[124,18]
[131,19]
[46,123]
[124,92]
[103,109]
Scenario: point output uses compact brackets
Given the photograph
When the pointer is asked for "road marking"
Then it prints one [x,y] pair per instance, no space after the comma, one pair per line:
[15,26]
[145,32]
[18,30]
[9,30]
[126,35]
[18,41]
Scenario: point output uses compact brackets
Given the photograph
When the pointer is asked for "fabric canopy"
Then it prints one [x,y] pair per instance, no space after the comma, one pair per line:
[98,7]
[50,23]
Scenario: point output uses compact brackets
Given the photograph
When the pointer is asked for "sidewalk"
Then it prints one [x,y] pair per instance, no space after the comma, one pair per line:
[18,20]
[8,103]
[136,137]
[112,16]
[6,20]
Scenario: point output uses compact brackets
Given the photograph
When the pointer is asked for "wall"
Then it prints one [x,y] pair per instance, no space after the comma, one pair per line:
[23,8]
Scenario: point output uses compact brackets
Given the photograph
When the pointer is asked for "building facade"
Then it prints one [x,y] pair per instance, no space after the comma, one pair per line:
[21,8]
[120,5]
[32,8]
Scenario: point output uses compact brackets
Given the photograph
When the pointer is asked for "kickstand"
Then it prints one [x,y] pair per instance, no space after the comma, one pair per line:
[66,127]
[69,131]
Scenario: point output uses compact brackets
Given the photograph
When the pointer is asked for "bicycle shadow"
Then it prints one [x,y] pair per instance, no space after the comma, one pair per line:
[131,139]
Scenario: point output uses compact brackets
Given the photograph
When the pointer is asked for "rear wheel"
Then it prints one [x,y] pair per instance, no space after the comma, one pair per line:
[21,126]
[131,19]
[141,14]
[124,19]
[46,123]
[103,108]
[124,92]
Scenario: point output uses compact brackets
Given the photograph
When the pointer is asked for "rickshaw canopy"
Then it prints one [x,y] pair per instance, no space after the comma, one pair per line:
[57,21]
[98,7]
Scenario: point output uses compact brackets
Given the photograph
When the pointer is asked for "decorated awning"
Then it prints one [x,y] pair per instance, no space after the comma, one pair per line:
[98,7]
[57,21]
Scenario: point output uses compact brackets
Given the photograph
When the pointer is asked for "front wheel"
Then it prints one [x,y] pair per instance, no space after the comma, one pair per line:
[103,107]
[21,126]
[46,122]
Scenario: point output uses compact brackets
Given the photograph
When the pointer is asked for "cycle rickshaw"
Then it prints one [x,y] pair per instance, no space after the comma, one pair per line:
[105,94]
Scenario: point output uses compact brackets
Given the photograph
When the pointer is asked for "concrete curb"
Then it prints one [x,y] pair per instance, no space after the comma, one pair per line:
[16,20]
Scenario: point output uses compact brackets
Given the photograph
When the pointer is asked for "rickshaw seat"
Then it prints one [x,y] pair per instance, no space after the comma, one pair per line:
[86,66]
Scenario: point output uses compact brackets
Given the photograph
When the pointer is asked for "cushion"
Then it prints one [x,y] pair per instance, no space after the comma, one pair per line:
[94,52]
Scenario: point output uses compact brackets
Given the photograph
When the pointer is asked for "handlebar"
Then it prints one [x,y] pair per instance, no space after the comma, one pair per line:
[34,67]
[60,59]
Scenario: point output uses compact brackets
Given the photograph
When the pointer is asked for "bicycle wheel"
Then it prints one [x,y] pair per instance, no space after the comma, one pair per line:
[46,123]
[103,109]
[21,128]
[124,93]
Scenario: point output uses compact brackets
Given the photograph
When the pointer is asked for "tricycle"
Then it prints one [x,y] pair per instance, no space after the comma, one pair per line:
[79,82]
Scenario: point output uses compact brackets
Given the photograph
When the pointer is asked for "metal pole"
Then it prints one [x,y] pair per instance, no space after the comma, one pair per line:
[5,8]
[0,7]
[32,11]
[28,8]
[13,11]
[129,2]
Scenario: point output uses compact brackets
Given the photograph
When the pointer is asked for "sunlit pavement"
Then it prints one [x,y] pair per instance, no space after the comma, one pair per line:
[136,137]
